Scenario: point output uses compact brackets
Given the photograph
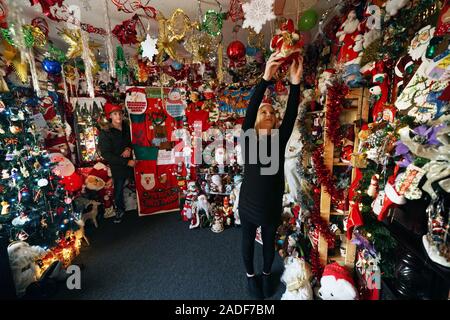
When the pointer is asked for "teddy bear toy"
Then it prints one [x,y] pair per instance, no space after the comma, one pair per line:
[337,284]
[24,269]
[297,278]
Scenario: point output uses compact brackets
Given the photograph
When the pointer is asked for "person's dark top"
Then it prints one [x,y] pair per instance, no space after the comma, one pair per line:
[260,199]
[112,142]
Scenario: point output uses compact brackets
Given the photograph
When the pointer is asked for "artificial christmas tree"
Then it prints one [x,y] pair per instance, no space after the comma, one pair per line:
[37,208]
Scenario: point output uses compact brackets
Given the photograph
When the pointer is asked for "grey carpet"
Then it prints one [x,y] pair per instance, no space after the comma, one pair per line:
[158,257]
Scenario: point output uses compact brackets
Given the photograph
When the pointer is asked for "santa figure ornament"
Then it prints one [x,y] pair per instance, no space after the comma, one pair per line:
[287,42]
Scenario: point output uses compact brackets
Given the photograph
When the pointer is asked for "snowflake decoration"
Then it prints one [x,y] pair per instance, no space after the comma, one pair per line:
[257,13]
[149,47]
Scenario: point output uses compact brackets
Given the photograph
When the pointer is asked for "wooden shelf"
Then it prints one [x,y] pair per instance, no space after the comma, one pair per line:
[359,110]
[335,213]
[341,164]
[339,259]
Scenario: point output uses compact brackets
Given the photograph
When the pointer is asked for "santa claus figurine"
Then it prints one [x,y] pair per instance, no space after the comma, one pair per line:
[346,36]
[287,42]
[227,212]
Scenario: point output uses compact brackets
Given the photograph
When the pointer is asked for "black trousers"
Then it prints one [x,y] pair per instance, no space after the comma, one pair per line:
[248,245]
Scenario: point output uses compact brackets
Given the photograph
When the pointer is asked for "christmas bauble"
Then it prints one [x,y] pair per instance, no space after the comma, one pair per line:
[236,50]
[51,67]
[68,200]
[42,182]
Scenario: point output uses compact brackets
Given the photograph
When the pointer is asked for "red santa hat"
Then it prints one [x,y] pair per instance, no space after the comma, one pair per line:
[100,171]
[109,107]
[50,143]
[338,272]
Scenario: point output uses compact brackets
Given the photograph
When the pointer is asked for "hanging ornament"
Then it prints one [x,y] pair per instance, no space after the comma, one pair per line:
[235,12]
[178,25]
[89,63]
[51,66]
[41,24]
[149,47]
[213,22]
[73,39]
[130,6]
[257,13]
[34,36]
[126,32]
[255,40]
[46,5]
[236,50]
[3,13]
[200,45]
[21,70]
[165,44]
[42,182]
[109,45]
[220,63]
[121,66]
[56,54]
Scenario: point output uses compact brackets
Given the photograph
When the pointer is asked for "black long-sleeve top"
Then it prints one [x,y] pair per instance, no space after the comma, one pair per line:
[112,143]
[260,199]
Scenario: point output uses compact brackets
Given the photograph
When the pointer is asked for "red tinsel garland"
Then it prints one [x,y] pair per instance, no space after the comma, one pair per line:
[335,101]
[324,176]
[316,266]
[320,223]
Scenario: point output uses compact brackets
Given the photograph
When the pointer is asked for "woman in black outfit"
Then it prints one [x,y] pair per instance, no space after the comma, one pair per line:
[260,199]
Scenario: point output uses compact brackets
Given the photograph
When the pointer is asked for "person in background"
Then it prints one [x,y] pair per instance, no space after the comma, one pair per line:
[260,198]
[115,147]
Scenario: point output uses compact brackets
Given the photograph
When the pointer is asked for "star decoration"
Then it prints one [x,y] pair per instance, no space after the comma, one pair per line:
[149,47]
[257,13]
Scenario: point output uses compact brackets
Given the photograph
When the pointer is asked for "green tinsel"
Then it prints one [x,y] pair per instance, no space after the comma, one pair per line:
[7,36]
[56,54]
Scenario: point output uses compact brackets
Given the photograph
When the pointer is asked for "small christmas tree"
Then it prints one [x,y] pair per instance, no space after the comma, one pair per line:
[34,206]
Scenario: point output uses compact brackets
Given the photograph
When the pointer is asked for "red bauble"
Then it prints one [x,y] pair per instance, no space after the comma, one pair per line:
[236,50]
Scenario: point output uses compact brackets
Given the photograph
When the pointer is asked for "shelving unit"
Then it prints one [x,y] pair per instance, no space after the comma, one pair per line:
[357,110]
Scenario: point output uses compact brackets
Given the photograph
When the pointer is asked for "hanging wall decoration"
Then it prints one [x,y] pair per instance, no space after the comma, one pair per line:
[126,31]
[131,6]
[109,45]
[257,13]
[235,12]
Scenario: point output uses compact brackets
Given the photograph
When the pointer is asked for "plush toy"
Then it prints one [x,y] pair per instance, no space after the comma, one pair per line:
[325,80]
[64,167]
[287,40]
[297,278]
[24,269]
[97,177]
[337,284]
[234,197]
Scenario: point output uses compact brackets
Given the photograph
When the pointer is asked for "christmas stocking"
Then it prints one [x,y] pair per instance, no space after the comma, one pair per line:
[355,217]
[390,198]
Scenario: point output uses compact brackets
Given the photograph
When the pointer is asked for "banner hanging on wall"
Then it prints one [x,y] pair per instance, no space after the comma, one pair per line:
[152,125]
